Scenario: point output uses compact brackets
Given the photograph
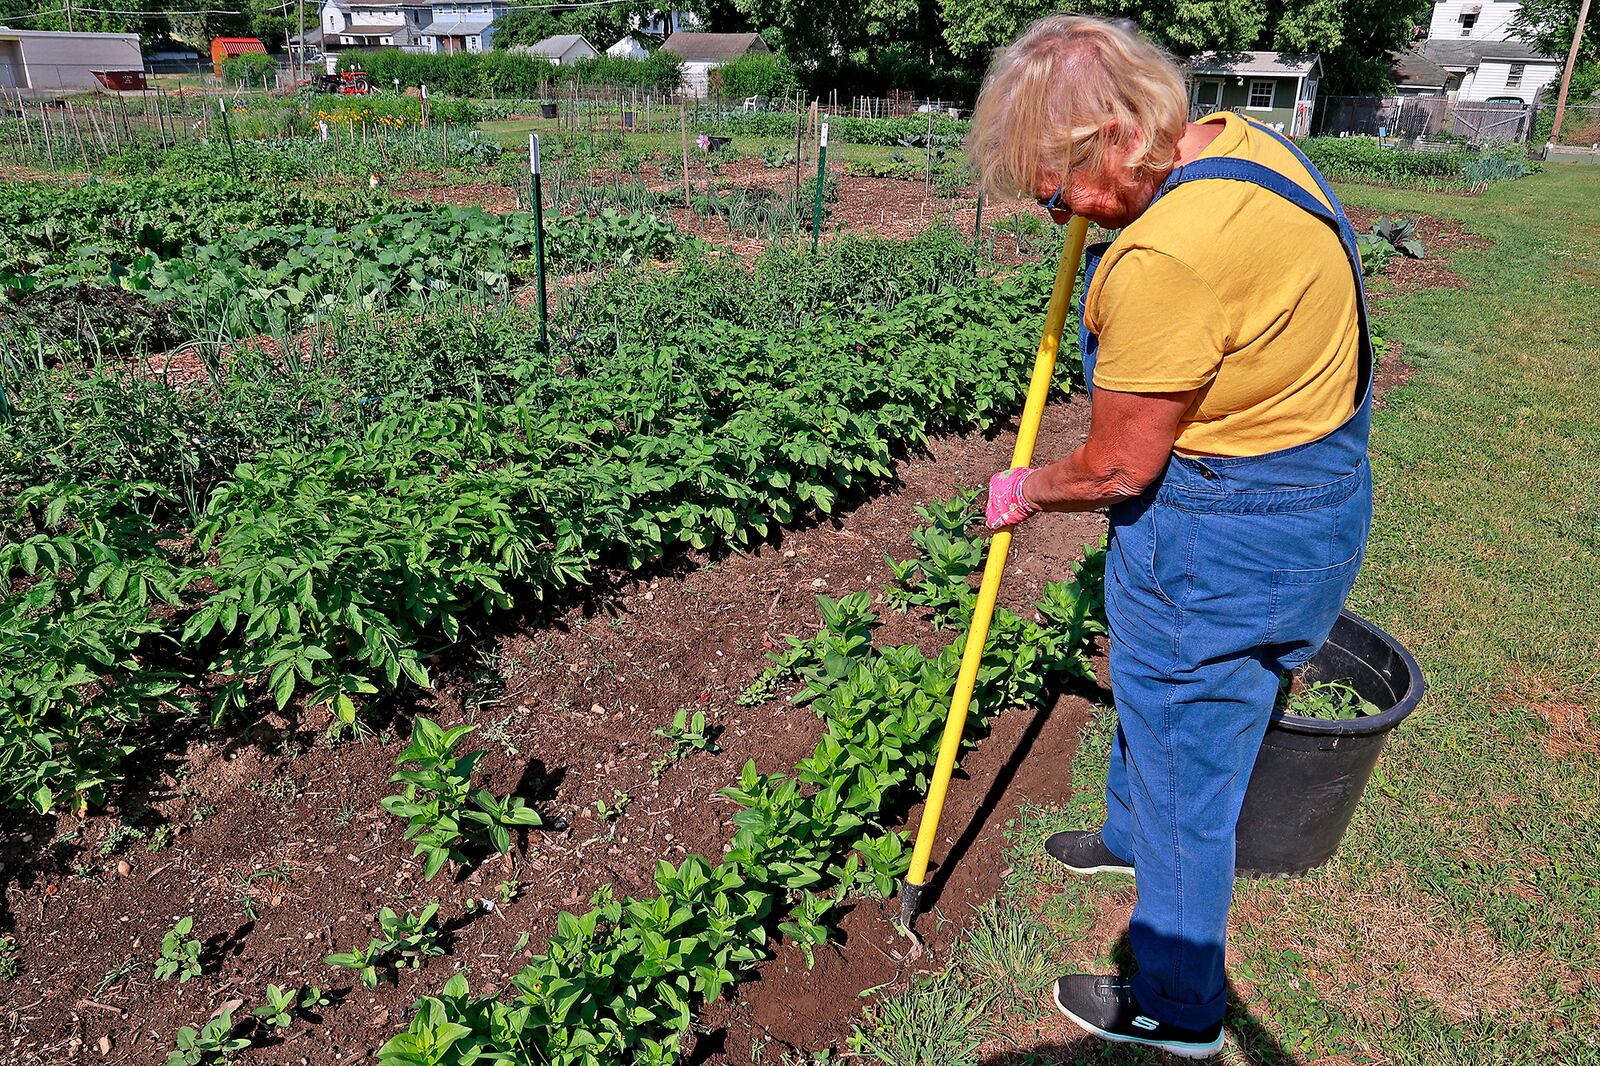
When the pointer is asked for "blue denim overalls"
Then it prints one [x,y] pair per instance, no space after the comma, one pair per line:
[1222,576]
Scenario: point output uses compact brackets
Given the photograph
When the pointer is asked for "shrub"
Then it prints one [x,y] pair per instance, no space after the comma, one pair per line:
[756,74]
[250,68]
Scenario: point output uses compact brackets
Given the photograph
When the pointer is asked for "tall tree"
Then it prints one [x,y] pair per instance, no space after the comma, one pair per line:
[1548,25]
[1351,35]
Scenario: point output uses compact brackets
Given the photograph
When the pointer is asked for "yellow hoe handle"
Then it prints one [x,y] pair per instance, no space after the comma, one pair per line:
[1044,366]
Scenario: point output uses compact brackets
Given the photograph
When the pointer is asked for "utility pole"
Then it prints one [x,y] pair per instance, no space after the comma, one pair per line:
[301,51]
[1566,75]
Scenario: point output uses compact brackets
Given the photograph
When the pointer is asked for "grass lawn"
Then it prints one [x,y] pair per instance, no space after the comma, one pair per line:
[1458,924]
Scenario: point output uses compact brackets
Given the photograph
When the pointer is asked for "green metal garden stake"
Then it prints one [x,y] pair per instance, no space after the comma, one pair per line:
[822,180]
[538,237]
[977,219]
[227,131]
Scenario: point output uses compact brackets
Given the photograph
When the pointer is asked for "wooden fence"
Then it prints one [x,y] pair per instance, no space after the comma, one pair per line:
[1421,116]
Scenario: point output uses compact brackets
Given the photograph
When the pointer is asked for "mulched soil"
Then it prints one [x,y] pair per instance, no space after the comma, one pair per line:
[1441,238]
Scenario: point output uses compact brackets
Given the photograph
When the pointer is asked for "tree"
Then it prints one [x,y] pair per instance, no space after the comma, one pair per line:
[1352,36]
[601,26]
[1548,25]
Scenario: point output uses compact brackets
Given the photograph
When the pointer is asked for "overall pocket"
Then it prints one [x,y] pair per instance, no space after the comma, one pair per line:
[1304,606]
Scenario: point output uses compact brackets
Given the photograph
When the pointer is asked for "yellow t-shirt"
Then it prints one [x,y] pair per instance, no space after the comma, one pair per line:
[1228,288]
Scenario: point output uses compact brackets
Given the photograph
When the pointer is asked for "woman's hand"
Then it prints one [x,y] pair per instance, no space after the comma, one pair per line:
[1130,440]
[1007,505]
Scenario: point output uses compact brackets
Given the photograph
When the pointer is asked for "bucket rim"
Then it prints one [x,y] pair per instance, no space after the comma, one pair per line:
[1372,724]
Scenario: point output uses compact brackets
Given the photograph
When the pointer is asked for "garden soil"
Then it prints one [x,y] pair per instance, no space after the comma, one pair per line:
[276,846]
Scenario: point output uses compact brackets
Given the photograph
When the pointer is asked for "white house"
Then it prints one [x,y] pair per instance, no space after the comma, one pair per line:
[1473,43]
[462,25]
[628,47]
[1486,20]
[374,24]
[49,60]
[704,52]
[564,49]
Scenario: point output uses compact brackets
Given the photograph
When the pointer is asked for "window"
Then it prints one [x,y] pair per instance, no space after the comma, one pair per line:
[1468,20]
[1260,96]
[1514,78]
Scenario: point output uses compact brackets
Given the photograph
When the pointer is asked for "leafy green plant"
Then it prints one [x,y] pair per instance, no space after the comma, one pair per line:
[622,981]
[444,812]
[1401,234]
[610,812]
[180,953]
[283,1003]
[10,963]
[688,733]
[1330,700]
[209,1045]
[402,941]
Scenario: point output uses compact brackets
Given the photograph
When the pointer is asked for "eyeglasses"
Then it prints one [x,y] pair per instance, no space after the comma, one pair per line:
[1053,202]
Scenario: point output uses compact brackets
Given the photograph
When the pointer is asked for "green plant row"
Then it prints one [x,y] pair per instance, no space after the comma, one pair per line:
[841,128]
[326,573]
[1364,160]
[502,73]
[621,983]
[247,278]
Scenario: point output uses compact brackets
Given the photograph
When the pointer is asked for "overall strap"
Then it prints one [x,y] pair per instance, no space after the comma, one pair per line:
[1229,168]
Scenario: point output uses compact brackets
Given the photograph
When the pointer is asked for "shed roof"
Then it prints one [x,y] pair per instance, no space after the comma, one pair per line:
[713,47]
[1261,64]
[558,46]
[1466,55]
[236,46]
[1416,71]
[457,27]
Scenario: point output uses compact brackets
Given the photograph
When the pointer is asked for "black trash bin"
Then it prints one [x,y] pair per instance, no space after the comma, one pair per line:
[547,110]
[1311,771]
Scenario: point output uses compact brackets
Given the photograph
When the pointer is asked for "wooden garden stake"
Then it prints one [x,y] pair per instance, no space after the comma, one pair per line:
[49,149]
[77,132]
[683,127]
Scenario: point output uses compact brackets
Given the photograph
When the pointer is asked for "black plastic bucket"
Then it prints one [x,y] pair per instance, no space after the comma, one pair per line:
[716,143]
[1311,771]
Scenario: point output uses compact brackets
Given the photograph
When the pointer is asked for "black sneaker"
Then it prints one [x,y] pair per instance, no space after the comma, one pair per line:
[1084,852]
[1105,1007]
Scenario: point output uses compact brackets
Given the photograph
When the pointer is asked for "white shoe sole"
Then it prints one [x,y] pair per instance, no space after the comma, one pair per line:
[1183,1051]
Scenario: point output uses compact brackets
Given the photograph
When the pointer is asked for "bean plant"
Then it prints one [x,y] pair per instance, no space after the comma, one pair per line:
[445,815]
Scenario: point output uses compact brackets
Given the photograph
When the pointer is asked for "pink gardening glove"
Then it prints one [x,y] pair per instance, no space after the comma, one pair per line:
[1007,506]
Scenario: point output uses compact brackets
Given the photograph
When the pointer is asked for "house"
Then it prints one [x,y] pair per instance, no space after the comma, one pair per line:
[659,25]
[628,47]
[563,50]
[374,24]
[43,61]
[1277,88]
[1414,74]
[1472,42]
[226,47]
[704,52]
[462,25]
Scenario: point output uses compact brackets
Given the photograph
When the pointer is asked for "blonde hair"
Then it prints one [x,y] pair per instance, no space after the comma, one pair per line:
[1064,91]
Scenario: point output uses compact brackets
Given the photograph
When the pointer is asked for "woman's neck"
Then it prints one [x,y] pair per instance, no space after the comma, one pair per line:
[1197,137]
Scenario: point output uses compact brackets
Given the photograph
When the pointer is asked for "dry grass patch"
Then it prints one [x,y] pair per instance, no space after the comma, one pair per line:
[1373,946]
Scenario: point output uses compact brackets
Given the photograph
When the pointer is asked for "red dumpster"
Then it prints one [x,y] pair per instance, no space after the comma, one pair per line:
[120,80]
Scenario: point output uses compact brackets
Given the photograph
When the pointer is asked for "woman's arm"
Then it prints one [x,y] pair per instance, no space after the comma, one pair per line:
[1130,439]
